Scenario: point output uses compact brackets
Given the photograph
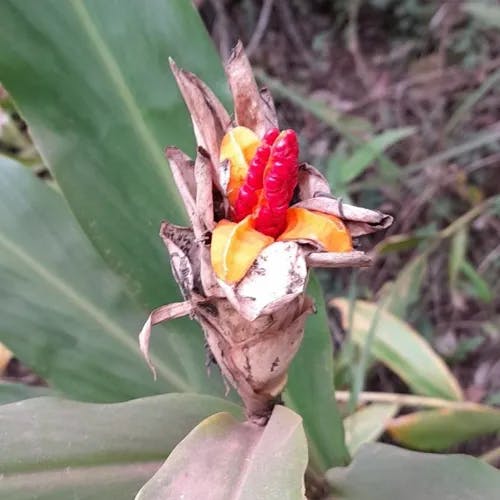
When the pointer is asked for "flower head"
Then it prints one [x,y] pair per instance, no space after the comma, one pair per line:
[263,178]
[260,219]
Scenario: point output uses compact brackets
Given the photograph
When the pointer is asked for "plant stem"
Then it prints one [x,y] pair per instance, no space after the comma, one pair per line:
[406,400]
[316,485]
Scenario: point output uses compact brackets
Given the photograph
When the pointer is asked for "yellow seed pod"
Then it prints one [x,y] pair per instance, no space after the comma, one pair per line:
[238,146]
[235,246]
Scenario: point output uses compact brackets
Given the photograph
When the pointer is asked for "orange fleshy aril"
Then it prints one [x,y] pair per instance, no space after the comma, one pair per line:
[324,229]
[238,146]
[235,246]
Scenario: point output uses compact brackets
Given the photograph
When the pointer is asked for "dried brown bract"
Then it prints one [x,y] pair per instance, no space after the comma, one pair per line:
[242,266]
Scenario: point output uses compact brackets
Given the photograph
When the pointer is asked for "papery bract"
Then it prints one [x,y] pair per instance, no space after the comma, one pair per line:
[242,267]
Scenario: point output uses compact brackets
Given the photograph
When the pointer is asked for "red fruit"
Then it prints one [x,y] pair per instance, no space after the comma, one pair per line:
[280,180]
[248,196]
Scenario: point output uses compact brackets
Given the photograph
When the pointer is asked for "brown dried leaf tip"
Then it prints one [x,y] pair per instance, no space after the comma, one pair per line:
[259,220]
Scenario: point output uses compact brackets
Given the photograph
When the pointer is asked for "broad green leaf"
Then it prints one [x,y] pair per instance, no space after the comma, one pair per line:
[366,154]
[223,458]
[310,390]
[383,472]
[12,391]
[67,316]
[402,349]
[437,430]
[54,449]
[367,424]
[92,80]
[488,14]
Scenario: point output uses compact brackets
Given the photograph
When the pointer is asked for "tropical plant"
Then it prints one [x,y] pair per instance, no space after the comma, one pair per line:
[81,264]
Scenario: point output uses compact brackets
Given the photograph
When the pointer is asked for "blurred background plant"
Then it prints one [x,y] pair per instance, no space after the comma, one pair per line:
[397,102]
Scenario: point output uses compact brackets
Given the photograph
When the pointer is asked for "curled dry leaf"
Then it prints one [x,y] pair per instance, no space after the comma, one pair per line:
[243,277]
[314,193]
[203,195]
[209,117]
[252,109]
[360,221]
[160,314]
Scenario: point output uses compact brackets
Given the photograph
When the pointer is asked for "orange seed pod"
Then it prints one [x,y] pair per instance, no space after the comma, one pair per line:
[327,230]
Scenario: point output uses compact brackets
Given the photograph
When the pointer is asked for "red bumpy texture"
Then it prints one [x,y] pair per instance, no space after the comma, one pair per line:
[248,195]
[279,181]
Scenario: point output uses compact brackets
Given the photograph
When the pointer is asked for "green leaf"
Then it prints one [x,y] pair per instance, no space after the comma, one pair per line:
[484,138]
[466,107]
[10,392]
[405,290]
[310,391]
[458,251]
[488,14]
[54,449]
[367,424]
[366,154]
[224,458]
[478,285]
[402,349]
[92,80]
[437,430]
[382,472]
[399,243]
[67,316]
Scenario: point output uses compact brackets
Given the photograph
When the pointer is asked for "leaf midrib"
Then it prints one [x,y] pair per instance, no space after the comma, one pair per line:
[112,69]
[78,473]
[137,122]
[92,311]
[241,484]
